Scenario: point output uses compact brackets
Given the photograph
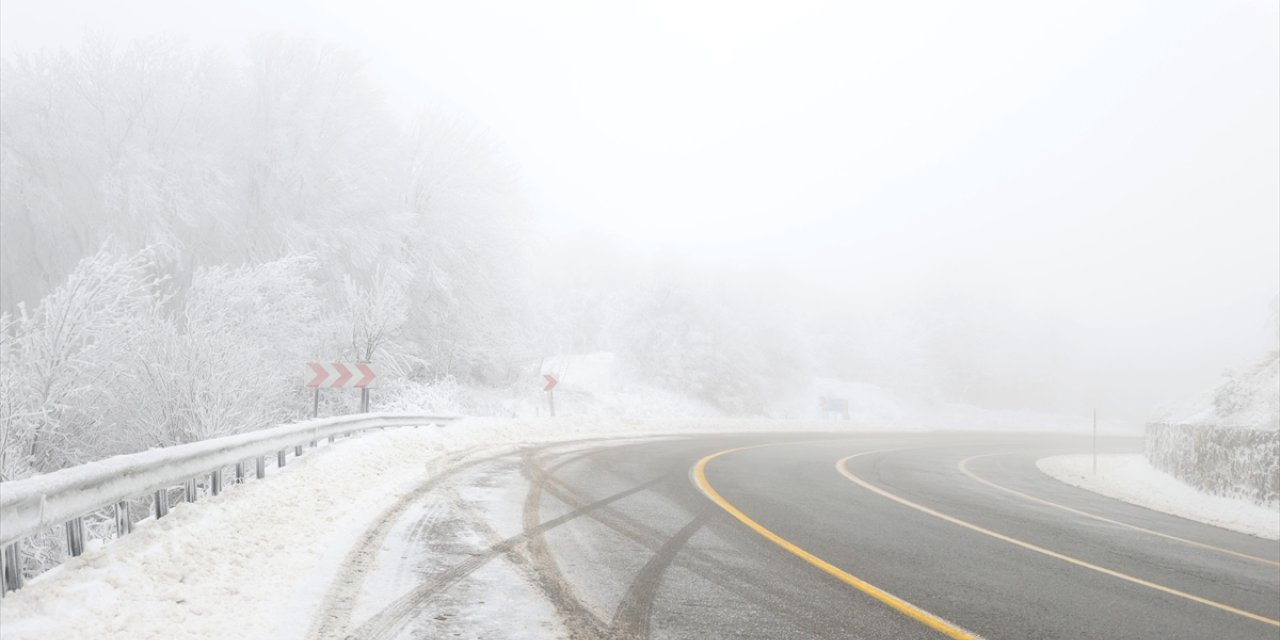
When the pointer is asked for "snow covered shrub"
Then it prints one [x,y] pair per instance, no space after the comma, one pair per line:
[230,360]
[109,363]
[64,362]
[443,396]
[1252,398]
[62,366]
[447,395]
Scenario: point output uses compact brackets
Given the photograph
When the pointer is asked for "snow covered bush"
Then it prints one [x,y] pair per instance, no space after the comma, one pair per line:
[1250,398]
[63,365]
[228,361]
[66,359]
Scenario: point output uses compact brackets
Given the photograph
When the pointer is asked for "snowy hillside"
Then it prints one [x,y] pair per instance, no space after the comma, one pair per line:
[602,386]
[1248,399]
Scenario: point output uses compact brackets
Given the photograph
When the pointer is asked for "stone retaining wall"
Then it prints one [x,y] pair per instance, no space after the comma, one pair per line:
[1225,461]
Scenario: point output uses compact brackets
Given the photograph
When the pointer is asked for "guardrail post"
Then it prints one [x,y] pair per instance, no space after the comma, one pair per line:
[12,568]
[240,472]
[262,467]
[297,451]
[280,457]
[162,503]
[215,481]
[75,537]
[124,524]
[331,439]
[189,489]
[313,444]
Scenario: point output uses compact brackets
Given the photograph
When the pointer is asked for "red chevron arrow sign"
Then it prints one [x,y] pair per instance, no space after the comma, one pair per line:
[340,375]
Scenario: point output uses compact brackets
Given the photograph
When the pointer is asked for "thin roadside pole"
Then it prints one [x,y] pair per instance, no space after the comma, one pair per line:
[1095,442]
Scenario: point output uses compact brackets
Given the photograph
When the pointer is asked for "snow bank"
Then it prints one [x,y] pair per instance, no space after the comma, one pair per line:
[1131,478]
[50,499]
[238,563]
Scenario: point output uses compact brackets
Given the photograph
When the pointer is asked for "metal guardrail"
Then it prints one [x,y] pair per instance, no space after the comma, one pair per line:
[32,505]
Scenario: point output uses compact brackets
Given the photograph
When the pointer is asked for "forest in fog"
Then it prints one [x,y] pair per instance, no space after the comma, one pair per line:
[184,227]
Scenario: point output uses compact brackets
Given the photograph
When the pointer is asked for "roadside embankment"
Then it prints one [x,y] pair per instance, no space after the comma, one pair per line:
[1223,461]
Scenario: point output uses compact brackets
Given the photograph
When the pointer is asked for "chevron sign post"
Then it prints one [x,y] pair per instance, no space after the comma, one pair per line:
[340,375]
[552,381]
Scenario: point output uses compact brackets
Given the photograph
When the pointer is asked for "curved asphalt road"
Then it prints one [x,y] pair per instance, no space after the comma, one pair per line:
[859,536]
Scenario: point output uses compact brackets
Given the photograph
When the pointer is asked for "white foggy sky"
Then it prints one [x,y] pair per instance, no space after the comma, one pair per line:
[1110,167]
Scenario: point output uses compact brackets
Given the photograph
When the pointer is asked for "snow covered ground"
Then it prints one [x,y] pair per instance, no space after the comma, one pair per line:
[1129,477]
[242,560]
[598,387]
[260,556]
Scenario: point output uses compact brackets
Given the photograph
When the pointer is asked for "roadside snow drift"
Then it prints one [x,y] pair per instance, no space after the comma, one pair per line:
[238,563]
[1131,478]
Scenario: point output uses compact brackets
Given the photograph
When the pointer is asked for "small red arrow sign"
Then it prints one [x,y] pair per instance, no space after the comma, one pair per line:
[368,374]
[319,374]
[344,374]
[551,382]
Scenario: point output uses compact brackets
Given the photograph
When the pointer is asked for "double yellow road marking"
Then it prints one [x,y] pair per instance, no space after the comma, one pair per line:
[906,608]
[914,612]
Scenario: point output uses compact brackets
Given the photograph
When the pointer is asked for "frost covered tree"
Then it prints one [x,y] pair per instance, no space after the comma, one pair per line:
[232,358]
[108,140]
[68,357]
[263,210]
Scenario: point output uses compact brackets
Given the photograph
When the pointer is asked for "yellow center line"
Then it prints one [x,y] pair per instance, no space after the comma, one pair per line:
[843,469]
[964,468]
[902,606]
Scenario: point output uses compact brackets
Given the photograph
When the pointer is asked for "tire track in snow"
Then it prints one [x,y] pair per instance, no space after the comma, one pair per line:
[578,617]
[396,615]
[702,564]
[631,618]
[568,607]
[335,611]
[392,618]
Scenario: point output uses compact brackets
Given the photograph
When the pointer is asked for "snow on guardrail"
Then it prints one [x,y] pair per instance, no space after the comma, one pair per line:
[31,505]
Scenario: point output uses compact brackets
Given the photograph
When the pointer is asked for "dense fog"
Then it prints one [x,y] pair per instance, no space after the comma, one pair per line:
[733,208]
